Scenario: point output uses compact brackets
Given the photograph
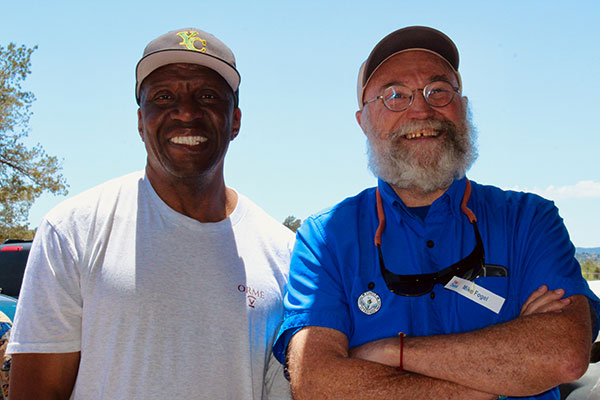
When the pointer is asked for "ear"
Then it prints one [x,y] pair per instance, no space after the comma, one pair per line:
[464,102]
[358,119]
[140,125]
[237,122]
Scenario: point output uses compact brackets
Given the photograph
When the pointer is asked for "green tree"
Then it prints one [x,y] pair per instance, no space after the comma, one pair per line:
[292,223]
[25,172]
[590,270]
[16,232]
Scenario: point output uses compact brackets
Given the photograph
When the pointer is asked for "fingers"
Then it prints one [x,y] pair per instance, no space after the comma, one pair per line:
[533,296]
[555,306]
[542,300]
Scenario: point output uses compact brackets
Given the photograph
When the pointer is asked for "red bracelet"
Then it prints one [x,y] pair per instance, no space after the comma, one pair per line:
[400,369]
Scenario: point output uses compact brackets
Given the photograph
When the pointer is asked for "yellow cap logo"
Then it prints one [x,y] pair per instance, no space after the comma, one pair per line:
[189,39]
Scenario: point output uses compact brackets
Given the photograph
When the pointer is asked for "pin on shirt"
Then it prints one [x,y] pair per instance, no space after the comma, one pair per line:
[369,302]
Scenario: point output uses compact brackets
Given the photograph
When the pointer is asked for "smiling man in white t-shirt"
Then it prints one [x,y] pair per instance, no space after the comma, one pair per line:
[164,283]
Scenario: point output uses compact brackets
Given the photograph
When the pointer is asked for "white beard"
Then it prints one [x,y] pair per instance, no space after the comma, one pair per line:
[429,168]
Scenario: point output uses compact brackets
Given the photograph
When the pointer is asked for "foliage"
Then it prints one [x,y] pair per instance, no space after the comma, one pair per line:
[590,270]
[16,232]
[25,173]
[590,263]
[292,223]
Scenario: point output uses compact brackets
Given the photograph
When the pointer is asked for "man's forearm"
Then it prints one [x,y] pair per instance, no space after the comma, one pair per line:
[320,369]
[525,356]
[349,380]
[38,376]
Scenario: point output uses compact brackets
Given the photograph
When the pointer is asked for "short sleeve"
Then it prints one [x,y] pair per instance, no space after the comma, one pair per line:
[48,317]
[315,296]
[549,256]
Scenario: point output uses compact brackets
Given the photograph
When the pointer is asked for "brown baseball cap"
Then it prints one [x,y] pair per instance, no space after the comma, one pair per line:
[190,46]
[405,39]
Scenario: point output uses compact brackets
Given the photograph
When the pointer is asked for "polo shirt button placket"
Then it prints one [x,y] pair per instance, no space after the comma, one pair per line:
[430,245]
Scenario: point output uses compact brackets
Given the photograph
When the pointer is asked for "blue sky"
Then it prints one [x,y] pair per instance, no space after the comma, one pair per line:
[529,68]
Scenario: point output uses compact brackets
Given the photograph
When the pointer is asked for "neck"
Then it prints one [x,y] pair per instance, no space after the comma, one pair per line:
[415,197]
[205,200]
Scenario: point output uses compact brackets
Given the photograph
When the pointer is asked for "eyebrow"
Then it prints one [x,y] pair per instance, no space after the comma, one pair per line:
[439,78]
[455,83]
[432,78]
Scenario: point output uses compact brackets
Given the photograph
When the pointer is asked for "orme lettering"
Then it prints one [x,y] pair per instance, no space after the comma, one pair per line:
[258,293]
[251,291]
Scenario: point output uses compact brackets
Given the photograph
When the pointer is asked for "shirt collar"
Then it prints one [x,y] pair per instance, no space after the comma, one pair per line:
[448,202]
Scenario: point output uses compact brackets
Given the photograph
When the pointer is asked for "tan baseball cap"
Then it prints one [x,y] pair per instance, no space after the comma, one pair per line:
[406,39]
[190,46]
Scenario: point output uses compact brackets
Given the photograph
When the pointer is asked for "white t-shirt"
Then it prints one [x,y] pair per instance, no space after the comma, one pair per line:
[160,305]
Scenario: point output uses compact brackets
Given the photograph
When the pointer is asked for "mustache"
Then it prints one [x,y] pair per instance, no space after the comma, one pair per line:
[414,126]
[196,124]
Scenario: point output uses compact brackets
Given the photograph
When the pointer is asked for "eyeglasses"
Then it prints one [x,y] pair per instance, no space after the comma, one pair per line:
[400,97]
[468,268]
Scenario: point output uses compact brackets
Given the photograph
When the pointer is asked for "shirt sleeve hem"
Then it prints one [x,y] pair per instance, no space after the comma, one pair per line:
[16,348]
[294,322]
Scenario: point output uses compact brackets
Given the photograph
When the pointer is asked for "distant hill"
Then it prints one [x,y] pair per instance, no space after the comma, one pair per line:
[588,250]
[588,254]
[589,258]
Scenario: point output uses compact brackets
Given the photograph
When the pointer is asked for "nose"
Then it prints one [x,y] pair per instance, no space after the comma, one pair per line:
[420,108]
[187,109]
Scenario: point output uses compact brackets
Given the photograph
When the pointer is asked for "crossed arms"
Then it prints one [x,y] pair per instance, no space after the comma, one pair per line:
[548,344]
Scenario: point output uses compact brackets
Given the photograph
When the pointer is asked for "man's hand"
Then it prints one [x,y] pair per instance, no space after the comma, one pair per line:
[543,300]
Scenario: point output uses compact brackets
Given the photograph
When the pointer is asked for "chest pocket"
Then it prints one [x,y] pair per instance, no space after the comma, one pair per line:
[466,315]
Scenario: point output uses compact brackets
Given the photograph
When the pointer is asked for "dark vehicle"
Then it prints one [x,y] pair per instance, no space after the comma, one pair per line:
[13,258]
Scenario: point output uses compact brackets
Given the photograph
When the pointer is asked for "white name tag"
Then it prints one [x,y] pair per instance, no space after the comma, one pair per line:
[476,293]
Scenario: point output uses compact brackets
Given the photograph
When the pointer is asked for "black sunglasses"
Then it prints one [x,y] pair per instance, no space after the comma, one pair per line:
[468,268]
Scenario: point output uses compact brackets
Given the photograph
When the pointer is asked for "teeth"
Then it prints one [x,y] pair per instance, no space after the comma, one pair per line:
[188,140]
[414,135]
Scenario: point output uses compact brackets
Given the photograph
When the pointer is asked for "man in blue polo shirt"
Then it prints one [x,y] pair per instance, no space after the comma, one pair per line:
[431,286]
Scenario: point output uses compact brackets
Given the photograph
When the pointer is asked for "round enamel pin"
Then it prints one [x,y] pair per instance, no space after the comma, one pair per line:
[369,302]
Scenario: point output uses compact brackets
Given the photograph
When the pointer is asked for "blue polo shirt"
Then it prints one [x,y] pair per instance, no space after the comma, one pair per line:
[335,261]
